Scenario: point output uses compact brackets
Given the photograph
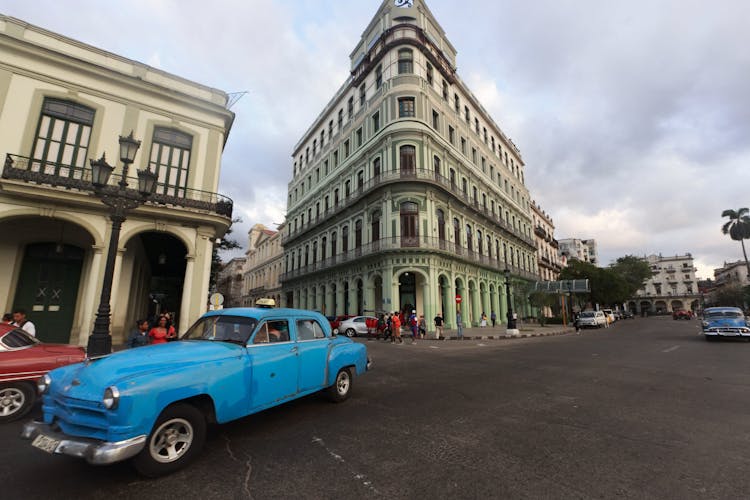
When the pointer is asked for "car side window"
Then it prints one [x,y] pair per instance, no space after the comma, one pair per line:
[305,330]
[272,331]
[359,320]
[319,333]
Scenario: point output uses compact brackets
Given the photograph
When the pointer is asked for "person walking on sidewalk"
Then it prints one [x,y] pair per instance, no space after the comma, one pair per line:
[438,326]
[493,318]
[577,324]
[413,325]
[396,329]
[459,325]
[422,326]
[483,322]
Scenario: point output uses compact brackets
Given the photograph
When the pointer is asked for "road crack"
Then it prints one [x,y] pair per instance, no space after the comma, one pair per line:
[361,478]
[247,464]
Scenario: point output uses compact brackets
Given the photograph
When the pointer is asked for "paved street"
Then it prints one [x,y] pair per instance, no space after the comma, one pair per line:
[646,409]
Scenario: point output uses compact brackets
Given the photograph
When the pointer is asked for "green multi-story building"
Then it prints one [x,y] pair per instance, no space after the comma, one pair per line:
[405,193]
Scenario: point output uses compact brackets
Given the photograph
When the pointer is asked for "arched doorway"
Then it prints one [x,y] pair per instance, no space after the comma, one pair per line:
[661,307]
[378,294]
[152,278]
[677,305]
[646,307]
[48,262]
[407,291]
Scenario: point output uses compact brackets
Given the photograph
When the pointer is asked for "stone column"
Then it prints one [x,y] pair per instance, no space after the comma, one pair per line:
[187,286]
[93,287]
[388,288]
[353,297]
[339,298]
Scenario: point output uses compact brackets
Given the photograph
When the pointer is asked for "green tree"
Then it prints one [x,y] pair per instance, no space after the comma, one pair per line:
[732,295]
[607,286]
[226,243]
[540,300]
[634,270]
[738,228]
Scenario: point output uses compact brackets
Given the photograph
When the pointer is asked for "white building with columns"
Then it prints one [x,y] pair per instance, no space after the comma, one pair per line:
[63,103]
[405,192]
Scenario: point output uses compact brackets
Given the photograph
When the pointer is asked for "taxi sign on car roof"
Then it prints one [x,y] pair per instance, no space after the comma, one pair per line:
[269,303]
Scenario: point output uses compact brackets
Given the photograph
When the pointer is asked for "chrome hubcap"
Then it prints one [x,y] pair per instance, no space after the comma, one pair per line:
[343,383]
[11,400]
[171,440]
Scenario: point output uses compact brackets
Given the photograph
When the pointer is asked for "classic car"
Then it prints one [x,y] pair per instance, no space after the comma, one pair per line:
[152,403]
[358,325]
[682,314]
[23,359]
[724,322]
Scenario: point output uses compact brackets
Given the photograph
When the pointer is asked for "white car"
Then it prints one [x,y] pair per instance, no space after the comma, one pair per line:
[355,326]
[592,319]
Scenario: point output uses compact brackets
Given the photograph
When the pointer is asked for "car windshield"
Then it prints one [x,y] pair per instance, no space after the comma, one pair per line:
[235,329]
[723,314]
[587,314]
[16,339]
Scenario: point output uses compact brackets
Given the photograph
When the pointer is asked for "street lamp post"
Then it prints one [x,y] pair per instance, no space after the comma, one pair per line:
[120,200]
[569,285]
[511,319]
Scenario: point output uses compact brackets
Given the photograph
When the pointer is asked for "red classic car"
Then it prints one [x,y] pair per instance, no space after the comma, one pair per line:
[682,314]
[23,359]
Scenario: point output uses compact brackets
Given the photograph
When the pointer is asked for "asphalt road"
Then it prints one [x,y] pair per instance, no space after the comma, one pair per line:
[646,409]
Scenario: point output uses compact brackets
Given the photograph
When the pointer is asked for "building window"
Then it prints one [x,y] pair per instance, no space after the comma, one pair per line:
[445,91]
[457,232]
[375,226]
[408,157]
[436,165]
[358,234]
[322,138]
[360,180]
[346,148]
[359,137]
[330,128]
[469,239]
[325,167]
[350,108]
[379,77]
[307,154]
[429,73]
[362,95]
[435,119]
[466,114]
[341,119]
[405,61]
[474,156]
[315,146]
[484,131]
[441,224]
[62,138]
[457,103]
[376,123]
[170,160]
[345,239]
[479,242]
[335,159]
[347,189]
[464,187]
[463,145]
[406,107]
[376,167]
[453,179]
[451,134]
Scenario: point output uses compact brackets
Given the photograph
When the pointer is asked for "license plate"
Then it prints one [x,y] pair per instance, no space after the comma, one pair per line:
[45,443]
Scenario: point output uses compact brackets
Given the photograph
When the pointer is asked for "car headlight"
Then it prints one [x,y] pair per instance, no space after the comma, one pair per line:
[705,324]
[43,383]
[111,397]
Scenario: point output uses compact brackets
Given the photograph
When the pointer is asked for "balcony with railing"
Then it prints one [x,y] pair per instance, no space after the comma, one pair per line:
[418,175]
[409,244]
[71,178]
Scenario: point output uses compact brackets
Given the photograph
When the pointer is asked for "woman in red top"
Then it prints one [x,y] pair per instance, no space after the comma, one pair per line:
[160,334]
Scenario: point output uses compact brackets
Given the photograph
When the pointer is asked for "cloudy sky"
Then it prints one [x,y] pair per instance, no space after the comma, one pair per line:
[633,117]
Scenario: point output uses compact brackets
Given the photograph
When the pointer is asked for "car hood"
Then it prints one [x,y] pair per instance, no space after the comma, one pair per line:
[64,349]
[91,377]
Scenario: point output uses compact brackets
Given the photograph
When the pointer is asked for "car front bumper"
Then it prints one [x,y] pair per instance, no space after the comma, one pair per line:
[94,451]
[726,332]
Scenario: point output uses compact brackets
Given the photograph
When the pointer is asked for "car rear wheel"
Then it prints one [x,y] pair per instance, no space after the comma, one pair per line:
[178,435]
[16,400]
[342,387]
[350,332]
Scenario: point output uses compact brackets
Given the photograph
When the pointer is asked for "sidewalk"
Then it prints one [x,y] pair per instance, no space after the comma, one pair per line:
[496,333]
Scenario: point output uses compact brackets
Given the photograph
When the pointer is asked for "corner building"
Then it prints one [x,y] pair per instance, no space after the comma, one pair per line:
[405,192]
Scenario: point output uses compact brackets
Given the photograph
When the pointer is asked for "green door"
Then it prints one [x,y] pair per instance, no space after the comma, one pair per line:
[48,288]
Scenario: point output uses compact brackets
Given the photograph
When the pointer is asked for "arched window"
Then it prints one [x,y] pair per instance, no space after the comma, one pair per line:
[375,226]
[408,160]
[376,167]
[334,250]
[314,252]
[441,224]
[307,255]
[405,61]
[345,239]
[323,243]
[479,242]
[457,233]
[436,166]
[469,238]
[358,233]
[409,224]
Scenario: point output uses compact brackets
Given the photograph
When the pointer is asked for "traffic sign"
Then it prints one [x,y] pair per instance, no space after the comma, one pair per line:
[217,299]
[458,299]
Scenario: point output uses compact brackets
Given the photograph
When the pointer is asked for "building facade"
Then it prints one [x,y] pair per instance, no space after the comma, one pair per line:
[405,193]
[230,282]
[263,266]
[583,250]
[673,286]
[549,260]
[62,104]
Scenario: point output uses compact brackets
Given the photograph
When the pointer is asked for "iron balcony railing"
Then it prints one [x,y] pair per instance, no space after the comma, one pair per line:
[70,177]
[416,175]
[409,244]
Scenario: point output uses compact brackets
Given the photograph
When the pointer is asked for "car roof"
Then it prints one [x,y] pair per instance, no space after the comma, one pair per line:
[261,313]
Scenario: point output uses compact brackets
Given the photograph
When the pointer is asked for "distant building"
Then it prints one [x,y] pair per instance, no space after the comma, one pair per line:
[230,282]
[732,273]
[673,286]
[263,266]
[583,250]
[549,261]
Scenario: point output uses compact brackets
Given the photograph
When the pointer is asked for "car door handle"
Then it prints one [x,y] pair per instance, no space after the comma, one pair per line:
[294,349]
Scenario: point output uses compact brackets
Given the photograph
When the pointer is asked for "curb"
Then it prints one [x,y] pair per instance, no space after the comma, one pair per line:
[485,337]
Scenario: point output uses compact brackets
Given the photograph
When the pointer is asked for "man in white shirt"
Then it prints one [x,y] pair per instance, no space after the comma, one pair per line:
[19,320]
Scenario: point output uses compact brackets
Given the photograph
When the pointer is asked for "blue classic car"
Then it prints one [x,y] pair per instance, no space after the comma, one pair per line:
[152,404]
[724,322]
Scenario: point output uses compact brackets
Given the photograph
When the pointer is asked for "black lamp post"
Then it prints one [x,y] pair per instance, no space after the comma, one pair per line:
[511,319]
[120,200]
[570,300]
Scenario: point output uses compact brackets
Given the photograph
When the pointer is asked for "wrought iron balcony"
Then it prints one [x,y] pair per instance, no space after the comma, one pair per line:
[418,175]
[409,244]
[79,178]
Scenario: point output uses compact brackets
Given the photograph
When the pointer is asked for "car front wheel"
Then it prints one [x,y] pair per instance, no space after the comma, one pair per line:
[342,387]
[178,435]
[16,399]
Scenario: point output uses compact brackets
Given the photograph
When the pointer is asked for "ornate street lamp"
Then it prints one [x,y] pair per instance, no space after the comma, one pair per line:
[511,319]
[120,200]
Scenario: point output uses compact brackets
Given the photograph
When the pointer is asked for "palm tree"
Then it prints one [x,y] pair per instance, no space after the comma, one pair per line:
[738,228]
